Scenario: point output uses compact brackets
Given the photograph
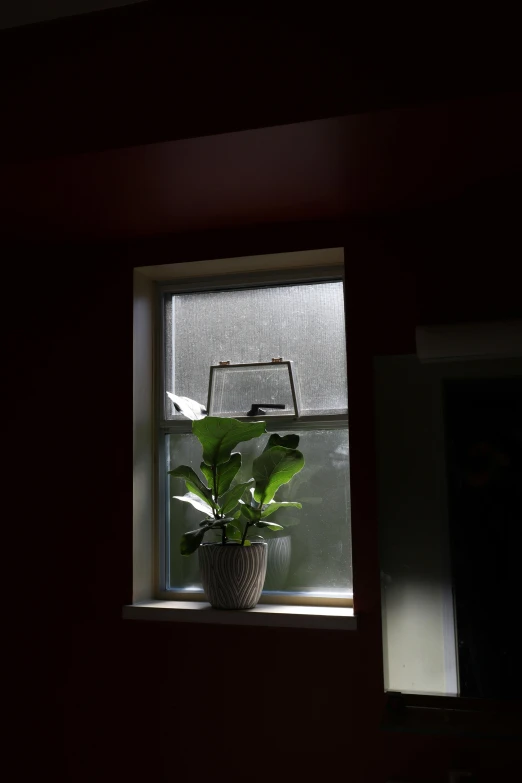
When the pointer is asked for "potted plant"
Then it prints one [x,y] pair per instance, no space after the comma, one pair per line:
[233,569]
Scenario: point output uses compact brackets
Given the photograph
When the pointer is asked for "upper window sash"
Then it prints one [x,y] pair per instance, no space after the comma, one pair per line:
[247,280]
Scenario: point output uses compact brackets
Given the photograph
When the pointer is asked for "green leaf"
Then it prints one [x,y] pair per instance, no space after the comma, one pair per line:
[187,474]
[246,542]
[233,532]
[192,482]
[271,525]
[191,540]
[274,468]
[207,472]
[289,441]
[274,506]
[230,499]
[251,514]
[225,474]
[221,522]
[248,498]
[218,436]
[195,501]
[189,408]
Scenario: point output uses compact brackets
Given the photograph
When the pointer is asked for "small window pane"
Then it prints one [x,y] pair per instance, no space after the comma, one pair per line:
[235,389]
[301,323]
[314,555]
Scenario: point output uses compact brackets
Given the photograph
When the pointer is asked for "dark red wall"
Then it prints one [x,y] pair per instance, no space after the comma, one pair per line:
[146,73]
[94,698]
[104,699]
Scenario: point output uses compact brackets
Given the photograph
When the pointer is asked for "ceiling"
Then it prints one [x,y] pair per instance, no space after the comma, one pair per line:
[16,13]
[324,169]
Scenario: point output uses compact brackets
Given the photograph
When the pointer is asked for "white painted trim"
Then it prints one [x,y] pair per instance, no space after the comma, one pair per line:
[302,259]
[326,618]
[143,439]
[149,574]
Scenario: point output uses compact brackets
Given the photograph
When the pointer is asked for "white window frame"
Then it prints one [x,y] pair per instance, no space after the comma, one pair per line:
[150,597]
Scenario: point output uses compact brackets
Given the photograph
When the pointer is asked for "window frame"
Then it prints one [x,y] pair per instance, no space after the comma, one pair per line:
[286,271]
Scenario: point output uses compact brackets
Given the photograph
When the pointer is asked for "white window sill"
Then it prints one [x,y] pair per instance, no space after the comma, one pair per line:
[337,618]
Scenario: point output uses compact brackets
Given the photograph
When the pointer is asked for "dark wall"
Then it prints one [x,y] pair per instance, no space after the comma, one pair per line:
[145,73]
[98,699]
[103,699]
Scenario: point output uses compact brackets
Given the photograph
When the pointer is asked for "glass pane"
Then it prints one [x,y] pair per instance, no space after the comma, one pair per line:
[236,389]
[449,457]
[312,556]
[300,323]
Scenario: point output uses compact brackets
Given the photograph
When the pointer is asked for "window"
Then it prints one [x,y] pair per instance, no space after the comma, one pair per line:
[247,324]
[290,307]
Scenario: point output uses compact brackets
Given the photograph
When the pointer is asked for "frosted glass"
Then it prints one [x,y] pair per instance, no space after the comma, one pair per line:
[302,323]
[321,558]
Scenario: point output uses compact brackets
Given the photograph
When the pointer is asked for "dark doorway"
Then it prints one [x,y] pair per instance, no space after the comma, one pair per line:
[484,449]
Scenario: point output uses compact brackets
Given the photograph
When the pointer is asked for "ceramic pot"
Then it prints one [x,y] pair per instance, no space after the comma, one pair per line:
[278,562]
[233,575]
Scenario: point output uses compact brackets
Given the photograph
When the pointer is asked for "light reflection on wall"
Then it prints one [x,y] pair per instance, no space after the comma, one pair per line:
[417,603]
[419,628]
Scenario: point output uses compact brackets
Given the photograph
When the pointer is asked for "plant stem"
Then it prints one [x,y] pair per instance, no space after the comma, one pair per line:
[217,514]
[245,532]
[214,483]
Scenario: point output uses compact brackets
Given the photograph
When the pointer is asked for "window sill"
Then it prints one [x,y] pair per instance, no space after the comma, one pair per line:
[338,618]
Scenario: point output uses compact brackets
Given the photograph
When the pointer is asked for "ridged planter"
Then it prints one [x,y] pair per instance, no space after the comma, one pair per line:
[278,562]
[233,576]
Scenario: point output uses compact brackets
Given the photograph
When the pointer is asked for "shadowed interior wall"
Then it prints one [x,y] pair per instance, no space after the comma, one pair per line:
[134,695]
[96,698]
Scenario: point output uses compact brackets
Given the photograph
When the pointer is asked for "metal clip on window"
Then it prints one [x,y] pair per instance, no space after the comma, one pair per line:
[258,408]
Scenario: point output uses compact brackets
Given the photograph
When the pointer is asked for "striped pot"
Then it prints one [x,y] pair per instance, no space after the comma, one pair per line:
[278,562]
[233,575]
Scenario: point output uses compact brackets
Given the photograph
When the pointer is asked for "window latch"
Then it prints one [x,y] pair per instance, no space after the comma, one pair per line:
[258,408]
